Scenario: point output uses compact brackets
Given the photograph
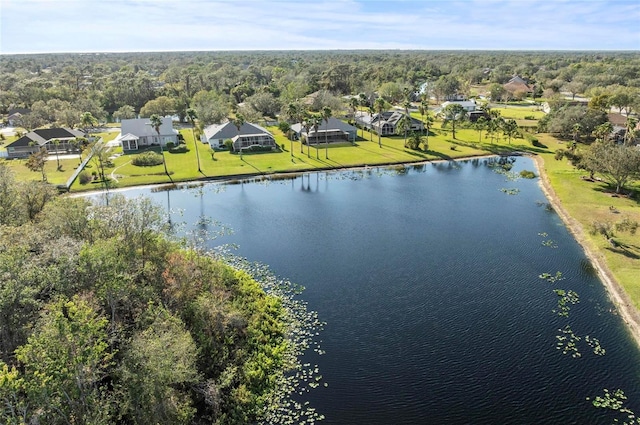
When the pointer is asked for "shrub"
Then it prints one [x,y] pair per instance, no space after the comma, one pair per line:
[284,126]
[147,159]
[85,177]
[529,117]
[170,145]
[229,144]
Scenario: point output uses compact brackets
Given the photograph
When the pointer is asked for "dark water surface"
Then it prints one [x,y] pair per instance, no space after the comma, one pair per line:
[428,282]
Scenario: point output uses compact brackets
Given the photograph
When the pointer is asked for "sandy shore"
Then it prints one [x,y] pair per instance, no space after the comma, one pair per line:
[624,305]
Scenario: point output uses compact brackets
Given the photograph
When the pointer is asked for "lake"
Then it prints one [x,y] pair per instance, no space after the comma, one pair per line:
[428,280]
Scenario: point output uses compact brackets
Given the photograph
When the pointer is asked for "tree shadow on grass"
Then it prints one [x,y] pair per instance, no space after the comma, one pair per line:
[628,250]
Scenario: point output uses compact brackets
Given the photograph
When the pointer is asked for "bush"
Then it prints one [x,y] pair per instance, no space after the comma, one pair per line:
[85,177]
[170,145]
[229,144]
[147,159]
[529,117]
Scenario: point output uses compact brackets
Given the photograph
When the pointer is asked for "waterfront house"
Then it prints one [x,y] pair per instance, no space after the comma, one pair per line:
[333,131]
[385,123]
[139,133]
[247,136]
[52,139]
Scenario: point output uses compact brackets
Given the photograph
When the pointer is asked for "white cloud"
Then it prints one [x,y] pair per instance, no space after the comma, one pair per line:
[142,25]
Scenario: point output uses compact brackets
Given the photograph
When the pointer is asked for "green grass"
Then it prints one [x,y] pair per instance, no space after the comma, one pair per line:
[587,202]
[54,176]
[520,112]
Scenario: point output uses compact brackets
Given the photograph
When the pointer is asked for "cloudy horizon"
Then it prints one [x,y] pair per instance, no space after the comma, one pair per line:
[91,26]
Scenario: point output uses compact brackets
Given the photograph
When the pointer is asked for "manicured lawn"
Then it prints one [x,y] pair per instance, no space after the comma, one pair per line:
[54,176]
[587,202]
[519,112]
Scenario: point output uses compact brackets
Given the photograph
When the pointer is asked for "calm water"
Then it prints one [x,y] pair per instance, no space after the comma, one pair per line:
[428,281]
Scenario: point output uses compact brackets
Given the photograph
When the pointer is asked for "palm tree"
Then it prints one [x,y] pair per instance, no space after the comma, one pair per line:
[156,122]
[239,121]
[630,130]
[379,105]
[428,122]
[364,103]
[307,124]
[317,121]
[326,114]
[191,116]
[577,128]
[87,120]
[56,143]
[603,131]
[403,126]
[423,108]
[293,111]
[354,103]
[406,104]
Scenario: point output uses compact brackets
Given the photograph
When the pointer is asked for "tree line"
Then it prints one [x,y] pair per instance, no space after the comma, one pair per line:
[105,319]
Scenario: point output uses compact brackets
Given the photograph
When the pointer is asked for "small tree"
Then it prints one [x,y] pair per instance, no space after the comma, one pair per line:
[37,162]
[156,123]
[452,114]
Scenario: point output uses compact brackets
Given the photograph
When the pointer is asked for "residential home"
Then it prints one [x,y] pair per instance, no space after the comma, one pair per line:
[52,139]
[468,105]
[139,133]
[248,135]
[386,123]
[518,85]
[333,131]
[14,115]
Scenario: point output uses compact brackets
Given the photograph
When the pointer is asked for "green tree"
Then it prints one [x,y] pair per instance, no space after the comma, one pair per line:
[65,362]
[239,121]
[88,121]
[56,143]
[479,126]
[158,367]
[293,111]
[617,164]
[326,115]
[162,106]
[125,112]
[192,115]
[403,126]
[603,131]
[380,105]
[510,129]
[156,123]
[453,114]
[316,122]
[307,123]
[37,162]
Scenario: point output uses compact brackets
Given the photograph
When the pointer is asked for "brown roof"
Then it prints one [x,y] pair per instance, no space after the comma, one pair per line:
[617,119]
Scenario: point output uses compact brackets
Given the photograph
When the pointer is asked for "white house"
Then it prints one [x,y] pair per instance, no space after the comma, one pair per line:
[248,135]
[468,105]
[137,133]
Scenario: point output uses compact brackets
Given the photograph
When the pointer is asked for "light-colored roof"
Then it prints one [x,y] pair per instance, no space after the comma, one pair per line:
[228,130]
[463,103]
[142,127]
[333,124]
[127,136]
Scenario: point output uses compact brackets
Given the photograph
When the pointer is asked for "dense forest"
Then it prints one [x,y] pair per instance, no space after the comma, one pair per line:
[106,316]
[59,88]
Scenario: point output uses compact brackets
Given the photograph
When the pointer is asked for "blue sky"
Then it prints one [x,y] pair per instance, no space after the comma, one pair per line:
[35,26]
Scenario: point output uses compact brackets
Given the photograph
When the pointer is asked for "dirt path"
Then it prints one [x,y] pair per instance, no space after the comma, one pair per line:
[625,307]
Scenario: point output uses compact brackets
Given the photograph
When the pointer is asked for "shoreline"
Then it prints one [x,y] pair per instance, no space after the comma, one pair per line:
[628,312]
[624,306]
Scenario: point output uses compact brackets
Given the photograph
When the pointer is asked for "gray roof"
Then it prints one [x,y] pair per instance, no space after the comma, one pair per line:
[43,135]
[228,130]
[333,124]
[142,127]
[391,117]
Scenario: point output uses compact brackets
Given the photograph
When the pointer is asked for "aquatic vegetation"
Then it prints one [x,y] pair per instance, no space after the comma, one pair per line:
[302,329]
[595,344]
[549,243]
[568,342]
[552,278]
[565,299]
[512,191]
[614,400]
